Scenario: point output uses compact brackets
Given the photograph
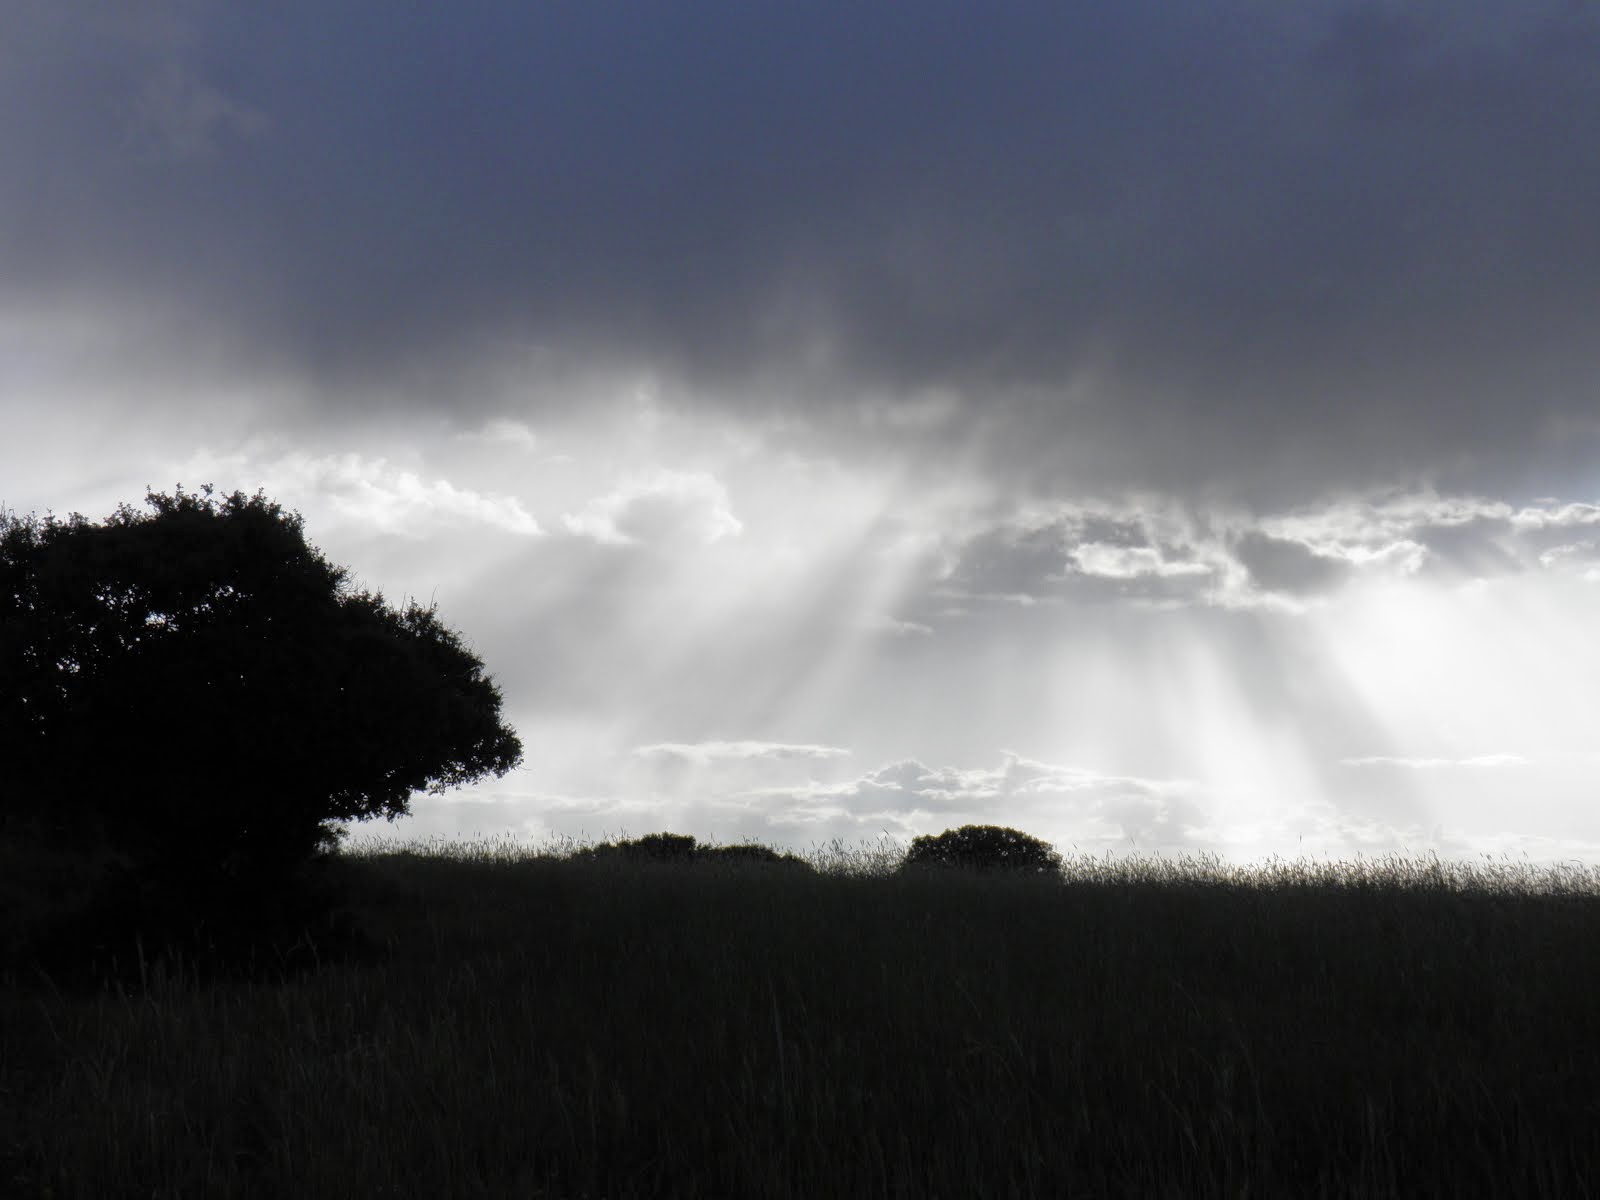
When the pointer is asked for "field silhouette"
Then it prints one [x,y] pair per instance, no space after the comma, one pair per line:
[570,1024]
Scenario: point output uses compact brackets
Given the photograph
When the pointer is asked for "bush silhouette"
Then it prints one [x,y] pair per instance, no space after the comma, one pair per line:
[652,847]
[192,698]
[753,854]
[661,847]
[987,848]
[682,848]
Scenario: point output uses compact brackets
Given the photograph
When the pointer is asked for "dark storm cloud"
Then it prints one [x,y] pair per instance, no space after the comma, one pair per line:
[1149,242]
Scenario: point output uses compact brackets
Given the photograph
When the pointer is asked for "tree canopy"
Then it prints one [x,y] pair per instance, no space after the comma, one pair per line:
[984,848]
[197,678]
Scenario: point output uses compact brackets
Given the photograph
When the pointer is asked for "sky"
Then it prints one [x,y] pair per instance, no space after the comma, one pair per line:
[1162,428]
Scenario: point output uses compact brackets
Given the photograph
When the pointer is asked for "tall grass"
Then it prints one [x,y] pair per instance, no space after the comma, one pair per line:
[540,1027]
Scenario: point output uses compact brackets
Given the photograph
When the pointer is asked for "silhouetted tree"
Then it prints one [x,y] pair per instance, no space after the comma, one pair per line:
[984,848]
[199,692]
[753,854]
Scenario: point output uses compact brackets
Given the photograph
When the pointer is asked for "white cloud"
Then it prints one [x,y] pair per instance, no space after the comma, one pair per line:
[895,627]
[1397,558]
[1477,762]
[1130,562]
[705,753]
[368,491]
[504,432]
[1046,799]
[1550,513]
[1580,556]
[661,508]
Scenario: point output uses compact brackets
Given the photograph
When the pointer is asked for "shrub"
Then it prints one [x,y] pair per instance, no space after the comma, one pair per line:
[753,854]
[986,848]
[682,848]
[661,847]
[652,847]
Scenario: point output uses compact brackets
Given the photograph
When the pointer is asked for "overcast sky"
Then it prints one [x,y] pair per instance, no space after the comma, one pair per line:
[1159,427]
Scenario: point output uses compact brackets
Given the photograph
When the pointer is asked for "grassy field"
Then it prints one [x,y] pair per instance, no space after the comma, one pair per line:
[543,1028]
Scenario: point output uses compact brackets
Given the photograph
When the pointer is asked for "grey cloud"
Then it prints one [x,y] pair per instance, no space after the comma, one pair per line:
[1478,548]
[1266,249]
[1079,553]
[1281,565]
[1455,537]
[177,116]
[1164,554]
[1010,561]
[662,509]
[1109,530]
